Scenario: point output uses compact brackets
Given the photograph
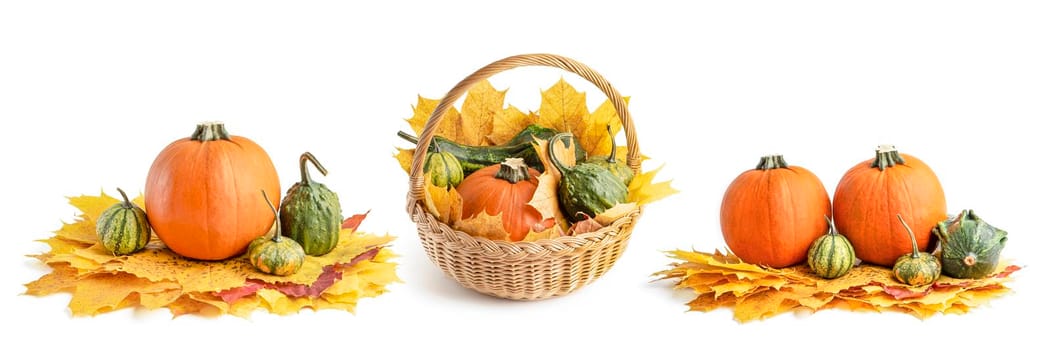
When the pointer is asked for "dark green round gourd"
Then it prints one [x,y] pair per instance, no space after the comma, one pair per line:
[831,255]
[619,169]
[275,254]
[586,188]
[970,247]
[918,268]
[310,212]
[123,227]
[444,167]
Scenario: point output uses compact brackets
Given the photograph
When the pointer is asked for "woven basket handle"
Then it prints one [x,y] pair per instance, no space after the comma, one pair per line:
[634,160]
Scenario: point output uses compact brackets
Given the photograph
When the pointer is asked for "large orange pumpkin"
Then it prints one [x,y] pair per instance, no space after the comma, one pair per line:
[503,189]
[771,214]
[871,195]
[202,193]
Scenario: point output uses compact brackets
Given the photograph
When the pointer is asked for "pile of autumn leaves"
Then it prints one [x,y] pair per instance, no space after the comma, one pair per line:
[359,267]
[754,292]
[483,120]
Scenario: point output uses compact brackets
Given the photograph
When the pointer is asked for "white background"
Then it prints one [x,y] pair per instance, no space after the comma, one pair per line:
[91,91]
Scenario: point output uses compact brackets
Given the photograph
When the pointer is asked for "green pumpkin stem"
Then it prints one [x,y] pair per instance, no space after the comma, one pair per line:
[612,145]
[210,131]
[773,161]
[513,170]
[277,225]
[831,229]
[551,151]
[915,249]
[126,204]
[303,173]
[887,156]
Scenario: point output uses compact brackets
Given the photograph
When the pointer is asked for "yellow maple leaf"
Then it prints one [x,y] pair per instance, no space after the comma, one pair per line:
[404,157]
[107,292]
[480,108]
[642,190]
[63,278]
[565,109]
[615,212]
[444,203]
[508,123]
[595,140]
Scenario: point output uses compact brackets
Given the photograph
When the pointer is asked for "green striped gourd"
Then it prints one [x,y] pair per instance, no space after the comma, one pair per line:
[970,246]
[917,268]
[276,254]
[618,168]
[831,255]
[444,168]
[310,212]
[123,227]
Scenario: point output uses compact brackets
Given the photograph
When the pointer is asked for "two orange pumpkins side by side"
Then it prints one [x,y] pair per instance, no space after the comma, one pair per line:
[771,214]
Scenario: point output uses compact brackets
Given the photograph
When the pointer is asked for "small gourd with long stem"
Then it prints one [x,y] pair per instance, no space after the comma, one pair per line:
[918,268]
[276,254]
[618,168]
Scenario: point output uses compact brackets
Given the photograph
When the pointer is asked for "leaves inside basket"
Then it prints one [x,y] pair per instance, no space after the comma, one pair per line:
[485,121]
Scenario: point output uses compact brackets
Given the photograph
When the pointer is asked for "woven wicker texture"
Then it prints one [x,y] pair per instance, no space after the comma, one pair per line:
[521,270]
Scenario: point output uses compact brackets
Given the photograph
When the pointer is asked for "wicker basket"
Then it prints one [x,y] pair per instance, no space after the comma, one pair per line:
[521,270]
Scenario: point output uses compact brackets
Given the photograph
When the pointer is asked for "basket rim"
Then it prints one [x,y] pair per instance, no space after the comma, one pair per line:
[547,246]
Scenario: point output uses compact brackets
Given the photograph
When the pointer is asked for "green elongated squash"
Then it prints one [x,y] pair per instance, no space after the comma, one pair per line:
[276,254]
[311,213]
[123,228]
[918,268]
[586,188]
[831,255]
[619,169]
[970,247]
[473,158]
[444,168]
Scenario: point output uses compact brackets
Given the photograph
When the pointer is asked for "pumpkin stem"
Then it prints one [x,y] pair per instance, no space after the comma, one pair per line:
[612,145]
[513,170]
[210,131]
[772,161]
[887,156]
[303,173]
[551,150]
[915,249]
[126,204]
[277,225]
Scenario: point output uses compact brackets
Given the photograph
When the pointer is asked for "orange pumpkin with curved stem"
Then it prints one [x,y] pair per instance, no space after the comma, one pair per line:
[202,193]
[771,214]
[872,193]
[503,189]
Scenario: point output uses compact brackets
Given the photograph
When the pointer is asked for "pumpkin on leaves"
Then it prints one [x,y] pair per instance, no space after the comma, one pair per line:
[770,215]
[503,189]
[202,193]
[870,195]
